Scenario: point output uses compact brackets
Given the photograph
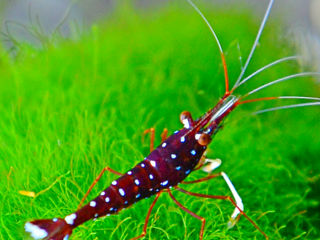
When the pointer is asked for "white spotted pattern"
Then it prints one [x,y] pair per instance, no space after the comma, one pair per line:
[130,173]
[122,192]
[173,156]
[93,204]
[151,176]
[137,182]
[164,145]
[35,231]
[193,152]
[142,165]
[103,193]
[107,199]
[114,183]
[70,218]
[182,139]
[164,183]
[66,237]
[197,136]
[153,163]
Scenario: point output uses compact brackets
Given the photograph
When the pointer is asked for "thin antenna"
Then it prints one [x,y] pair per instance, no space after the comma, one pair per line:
[287,106]
[255,43]
[275,98]
[218,43]
[299,97]
[266,67]
[304,74]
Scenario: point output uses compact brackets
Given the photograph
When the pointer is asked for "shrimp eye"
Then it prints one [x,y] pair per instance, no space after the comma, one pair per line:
[204,139]
[186,119]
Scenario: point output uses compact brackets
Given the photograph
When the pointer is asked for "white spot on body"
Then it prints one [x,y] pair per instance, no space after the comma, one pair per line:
[96,215]
[164,183]
[137,182]
[66,237]
[111,209]
[103,193]
[197,136]
[107,199]
[153,163]
[130,173]
[178,168]
[143,165]
[173,156]
[35,231]
[55,220]
[151,176]
[138,195]
[176,131]
[70,218]
[164,145]
[182,139]
[93,204]
[114,183]
[188,171]
[193,152]
[122,192]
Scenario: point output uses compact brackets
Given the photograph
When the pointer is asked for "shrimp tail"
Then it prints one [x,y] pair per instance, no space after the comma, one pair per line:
[49,229]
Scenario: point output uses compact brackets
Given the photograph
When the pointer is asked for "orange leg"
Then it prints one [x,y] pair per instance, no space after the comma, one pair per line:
[152,136]
[95,182]
[144,232]
[227,198]
[164,134]
[203,220]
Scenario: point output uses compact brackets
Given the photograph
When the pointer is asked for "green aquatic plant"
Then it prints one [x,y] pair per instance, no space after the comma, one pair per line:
[72,108]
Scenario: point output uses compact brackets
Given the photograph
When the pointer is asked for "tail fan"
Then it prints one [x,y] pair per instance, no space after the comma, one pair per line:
[49,229]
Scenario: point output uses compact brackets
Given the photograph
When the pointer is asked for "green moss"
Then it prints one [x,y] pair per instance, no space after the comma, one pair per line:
[71,109]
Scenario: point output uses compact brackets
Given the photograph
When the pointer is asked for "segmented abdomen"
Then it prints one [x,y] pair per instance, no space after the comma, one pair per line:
[166,166]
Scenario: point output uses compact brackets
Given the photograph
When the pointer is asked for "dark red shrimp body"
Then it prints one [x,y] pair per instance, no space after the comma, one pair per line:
[165,167]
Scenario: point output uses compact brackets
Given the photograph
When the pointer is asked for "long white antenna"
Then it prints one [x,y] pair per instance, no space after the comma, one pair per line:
[299,97]
[218,43]
[255,42]
[304,74]
[287,106]
[208,24]
[266,67]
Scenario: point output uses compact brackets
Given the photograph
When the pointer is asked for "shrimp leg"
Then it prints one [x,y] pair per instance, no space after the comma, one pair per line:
[95,182]
[202,219]
[152,136]
[227,198]
[144,232]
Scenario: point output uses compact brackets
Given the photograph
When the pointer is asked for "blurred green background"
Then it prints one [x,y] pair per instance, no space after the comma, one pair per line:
[70,107]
